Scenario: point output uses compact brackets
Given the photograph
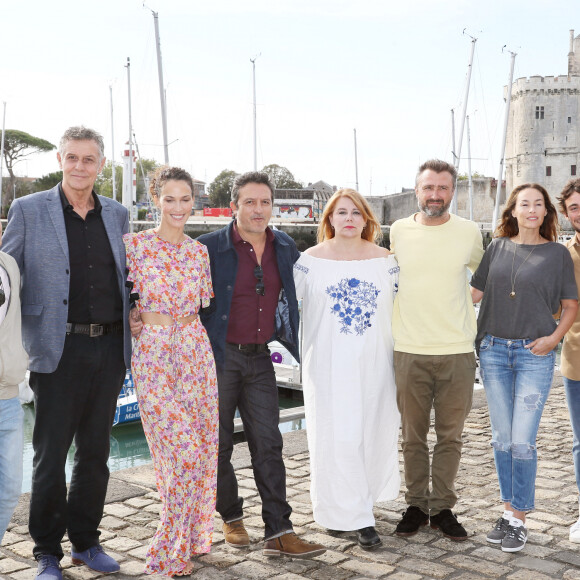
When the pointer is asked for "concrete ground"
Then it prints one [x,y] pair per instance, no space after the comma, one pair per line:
[133,506]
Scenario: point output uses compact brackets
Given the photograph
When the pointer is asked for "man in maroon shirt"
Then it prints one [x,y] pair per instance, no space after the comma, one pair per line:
[251,268]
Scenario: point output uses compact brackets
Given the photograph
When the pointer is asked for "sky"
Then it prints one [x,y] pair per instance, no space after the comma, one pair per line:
[391,70]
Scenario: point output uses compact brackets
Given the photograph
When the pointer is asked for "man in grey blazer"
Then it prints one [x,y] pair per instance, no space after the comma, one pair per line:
[68,245]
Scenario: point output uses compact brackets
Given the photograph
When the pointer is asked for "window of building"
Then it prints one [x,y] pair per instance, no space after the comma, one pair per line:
[572,170]
[539,112]
[548,170]
[569,120]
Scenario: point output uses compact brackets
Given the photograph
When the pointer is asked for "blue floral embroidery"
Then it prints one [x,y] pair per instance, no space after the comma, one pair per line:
[394,272]
[355,303]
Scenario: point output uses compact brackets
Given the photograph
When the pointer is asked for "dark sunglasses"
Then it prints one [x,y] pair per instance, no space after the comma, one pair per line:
[259,274]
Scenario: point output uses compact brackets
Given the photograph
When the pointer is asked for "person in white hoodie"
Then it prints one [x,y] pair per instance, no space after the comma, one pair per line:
[13,364]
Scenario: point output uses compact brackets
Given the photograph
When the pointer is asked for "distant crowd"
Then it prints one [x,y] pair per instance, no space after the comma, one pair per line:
[388,337]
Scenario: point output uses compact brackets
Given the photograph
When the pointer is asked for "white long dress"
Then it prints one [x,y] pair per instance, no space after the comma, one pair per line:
[352,419]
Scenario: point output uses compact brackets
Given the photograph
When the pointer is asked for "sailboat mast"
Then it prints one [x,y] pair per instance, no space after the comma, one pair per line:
[463,115]
[469,171]
[453,135]
[161,89]
[130,147]
[504,137]
[253,61]
[355,160]
[143,176]
[112,145]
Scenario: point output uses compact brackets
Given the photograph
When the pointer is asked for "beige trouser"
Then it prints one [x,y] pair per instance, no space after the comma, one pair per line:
[444,383]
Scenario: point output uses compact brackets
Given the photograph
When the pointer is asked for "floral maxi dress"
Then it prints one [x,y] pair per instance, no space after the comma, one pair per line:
[174,375]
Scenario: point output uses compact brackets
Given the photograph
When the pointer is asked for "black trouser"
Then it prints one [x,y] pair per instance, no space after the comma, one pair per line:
[77,401]
[248,381]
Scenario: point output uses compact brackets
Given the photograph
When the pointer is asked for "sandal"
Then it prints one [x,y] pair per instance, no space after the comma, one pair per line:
[187,571]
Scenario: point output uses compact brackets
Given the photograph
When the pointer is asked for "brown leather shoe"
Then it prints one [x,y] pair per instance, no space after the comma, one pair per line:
[235,534]
[291,545]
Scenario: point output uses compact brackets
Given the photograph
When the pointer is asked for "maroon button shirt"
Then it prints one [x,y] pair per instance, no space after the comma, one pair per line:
[252,315]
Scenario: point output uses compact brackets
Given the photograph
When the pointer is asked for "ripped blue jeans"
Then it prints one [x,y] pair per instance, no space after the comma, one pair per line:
[517,383]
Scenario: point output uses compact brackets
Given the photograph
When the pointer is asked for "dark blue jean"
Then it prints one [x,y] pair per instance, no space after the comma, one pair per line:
[77,401]
[247,381]
[517,383]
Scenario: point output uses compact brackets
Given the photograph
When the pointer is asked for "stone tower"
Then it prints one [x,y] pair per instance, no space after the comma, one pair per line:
[543,138]
[574,55]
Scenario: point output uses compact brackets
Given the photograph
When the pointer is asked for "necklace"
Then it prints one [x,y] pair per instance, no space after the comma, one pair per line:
[513,278]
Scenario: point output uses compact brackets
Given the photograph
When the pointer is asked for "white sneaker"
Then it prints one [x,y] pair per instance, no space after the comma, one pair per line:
[575,533]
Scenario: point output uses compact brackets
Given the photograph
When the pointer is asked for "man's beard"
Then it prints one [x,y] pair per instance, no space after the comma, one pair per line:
[436,211]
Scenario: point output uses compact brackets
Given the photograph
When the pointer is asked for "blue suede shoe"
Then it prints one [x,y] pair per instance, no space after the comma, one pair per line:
[48,568]
[96,559]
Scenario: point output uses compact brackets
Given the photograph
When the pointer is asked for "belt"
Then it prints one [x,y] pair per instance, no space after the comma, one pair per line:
[94,330]
[249,347]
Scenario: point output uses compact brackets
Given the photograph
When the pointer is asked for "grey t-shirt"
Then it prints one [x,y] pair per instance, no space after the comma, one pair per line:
[541,281]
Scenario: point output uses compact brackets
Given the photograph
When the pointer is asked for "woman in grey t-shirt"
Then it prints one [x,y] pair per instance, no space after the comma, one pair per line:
[524,277]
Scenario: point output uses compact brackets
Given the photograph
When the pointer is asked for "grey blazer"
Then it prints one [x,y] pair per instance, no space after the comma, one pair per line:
[36,238]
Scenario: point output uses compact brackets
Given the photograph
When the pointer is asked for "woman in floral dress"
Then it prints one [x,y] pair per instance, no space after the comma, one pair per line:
[174,375]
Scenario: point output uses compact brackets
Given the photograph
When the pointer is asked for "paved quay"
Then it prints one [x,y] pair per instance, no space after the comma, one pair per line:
[133,506]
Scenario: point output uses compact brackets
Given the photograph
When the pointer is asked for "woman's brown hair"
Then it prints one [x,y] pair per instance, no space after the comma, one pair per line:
[508,226]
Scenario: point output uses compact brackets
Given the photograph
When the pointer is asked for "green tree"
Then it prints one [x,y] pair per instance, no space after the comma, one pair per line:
[220,189]
[464,176]
[17,146]
[281,177]
[47,181]
[104,183]
[20,187]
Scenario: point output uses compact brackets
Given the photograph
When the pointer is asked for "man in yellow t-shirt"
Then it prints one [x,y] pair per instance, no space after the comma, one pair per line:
[570,364]
[434,329]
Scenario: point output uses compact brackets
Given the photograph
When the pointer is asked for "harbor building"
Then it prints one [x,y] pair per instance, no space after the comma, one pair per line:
[306,204]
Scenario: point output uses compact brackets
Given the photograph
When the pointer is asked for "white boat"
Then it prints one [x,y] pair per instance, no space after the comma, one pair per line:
[127,410]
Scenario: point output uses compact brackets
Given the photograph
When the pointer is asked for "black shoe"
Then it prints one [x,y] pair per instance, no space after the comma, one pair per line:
[368,538]
[412,520]
[448,524]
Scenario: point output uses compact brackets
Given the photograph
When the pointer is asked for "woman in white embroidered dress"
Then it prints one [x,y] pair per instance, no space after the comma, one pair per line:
[347,283]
